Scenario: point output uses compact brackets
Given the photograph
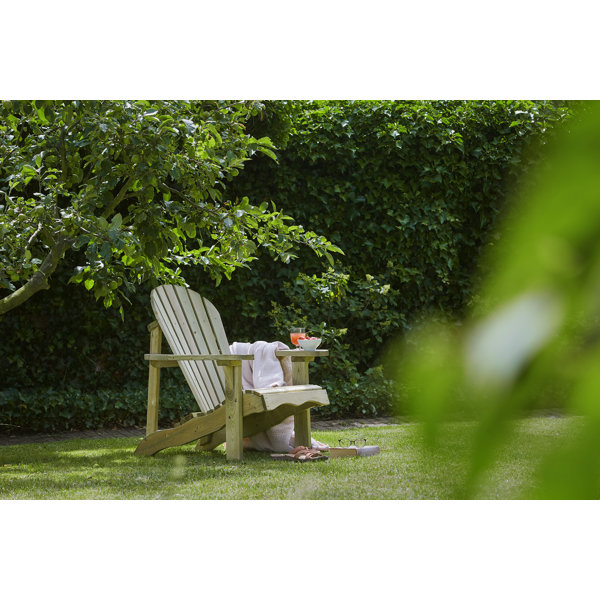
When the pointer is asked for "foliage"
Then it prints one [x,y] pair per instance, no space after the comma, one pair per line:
[136,188]
[412,193]
[409,190]
[64,338]
[51,410]
[534,329]
[350,391]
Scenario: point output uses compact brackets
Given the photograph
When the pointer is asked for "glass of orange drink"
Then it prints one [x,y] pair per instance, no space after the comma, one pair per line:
[296,333]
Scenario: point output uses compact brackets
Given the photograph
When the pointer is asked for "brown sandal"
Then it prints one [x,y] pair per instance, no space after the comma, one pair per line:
[300,454]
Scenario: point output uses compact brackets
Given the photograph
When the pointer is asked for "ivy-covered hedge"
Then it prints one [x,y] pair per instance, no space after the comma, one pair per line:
[66,408]
[409,190]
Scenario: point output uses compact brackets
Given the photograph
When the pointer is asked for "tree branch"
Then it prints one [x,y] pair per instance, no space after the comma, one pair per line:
[39,280]
[33,236]
[118,198]
[63,153]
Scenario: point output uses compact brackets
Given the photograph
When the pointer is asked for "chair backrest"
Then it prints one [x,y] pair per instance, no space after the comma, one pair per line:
[192,325]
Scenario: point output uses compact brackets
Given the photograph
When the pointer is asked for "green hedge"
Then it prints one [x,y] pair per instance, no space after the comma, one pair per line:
[410,191]
[63,337]
[67,408]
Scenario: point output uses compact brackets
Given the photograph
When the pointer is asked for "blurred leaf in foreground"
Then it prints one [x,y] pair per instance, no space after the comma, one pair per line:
[533,338]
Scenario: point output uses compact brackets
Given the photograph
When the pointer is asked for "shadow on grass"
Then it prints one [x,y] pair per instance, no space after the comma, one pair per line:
[108,469]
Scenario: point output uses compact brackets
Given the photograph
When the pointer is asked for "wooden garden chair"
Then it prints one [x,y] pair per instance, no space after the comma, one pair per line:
[193,328]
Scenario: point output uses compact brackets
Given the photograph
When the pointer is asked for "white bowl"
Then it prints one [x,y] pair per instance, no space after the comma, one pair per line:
[306,344]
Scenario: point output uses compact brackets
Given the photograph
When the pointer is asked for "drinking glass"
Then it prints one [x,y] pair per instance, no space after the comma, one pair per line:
[296,333]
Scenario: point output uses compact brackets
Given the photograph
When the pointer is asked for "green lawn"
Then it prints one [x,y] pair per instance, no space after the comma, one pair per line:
[107,468]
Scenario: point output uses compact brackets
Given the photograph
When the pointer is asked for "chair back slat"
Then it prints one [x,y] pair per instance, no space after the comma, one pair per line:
[199,337]
[214,318]
[190,328]
[170,323]
[207,330]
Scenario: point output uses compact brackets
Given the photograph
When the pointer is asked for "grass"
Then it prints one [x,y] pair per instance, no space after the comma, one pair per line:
[107,468]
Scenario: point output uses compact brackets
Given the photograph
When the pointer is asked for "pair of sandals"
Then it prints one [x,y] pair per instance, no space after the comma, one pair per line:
[301,454]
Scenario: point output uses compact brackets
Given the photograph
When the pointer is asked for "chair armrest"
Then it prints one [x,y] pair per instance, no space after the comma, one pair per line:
[174,358]
[292,353]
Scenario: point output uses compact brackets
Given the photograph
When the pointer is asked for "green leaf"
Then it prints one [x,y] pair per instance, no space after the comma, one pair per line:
[190,126]
[268,152]
[42,115]
[27,169]
[116,221]
[106,251]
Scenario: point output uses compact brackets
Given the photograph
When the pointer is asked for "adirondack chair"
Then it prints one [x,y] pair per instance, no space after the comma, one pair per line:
[193,328]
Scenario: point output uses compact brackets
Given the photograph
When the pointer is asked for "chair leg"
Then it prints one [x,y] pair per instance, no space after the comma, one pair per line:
[234,439]
[302,432]
[153,380]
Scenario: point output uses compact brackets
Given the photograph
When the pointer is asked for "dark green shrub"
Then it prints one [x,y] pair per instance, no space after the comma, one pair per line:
[354,394]
[50,410]
[411,191]
[63,337]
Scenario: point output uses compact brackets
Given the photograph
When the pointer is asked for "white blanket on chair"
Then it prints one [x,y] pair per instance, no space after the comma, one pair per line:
[266,370]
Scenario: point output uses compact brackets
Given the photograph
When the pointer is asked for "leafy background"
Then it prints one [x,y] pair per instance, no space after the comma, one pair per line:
[413,192]
[531,337]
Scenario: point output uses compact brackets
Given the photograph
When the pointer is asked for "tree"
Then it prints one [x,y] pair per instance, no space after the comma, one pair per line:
[136,189]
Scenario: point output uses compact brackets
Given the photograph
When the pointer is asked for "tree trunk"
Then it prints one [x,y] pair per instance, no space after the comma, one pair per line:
[39,280]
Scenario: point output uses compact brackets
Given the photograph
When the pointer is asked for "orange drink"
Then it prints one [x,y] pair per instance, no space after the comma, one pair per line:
[297,333]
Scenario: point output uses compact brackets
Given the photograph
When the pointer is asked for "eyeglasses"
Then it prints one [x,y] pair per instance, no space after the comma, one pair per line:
[356,443]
